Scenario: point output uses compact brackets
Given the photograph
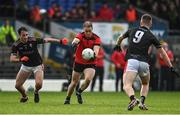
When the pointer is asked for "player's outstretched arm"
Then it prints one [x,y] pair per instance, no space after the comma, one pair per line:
[63,41]
[118,43]
[120,39]
[167,60]
[74,44]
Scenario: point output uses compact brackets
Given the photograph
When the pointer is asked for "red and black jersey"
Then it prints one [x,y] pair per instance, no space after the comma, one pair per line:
[28,49]
[85,43]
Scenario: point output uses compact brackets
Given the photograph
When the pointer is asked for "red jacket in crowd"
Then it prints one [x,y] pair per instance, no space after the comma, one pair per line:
[118,59]
[162,62]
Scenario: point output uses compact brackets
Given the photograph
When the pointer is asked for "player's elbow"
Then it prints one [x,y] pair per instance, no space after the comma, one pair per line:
[12,59]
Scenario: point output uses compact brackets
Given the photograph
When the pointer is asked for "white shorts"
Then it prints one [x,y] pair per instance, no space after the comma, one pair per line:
[32,69]
[142,68]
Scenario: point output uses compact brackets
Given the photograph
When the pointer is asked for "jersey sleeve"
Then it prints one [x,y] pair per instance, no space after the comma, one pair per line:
[36,40]
[79,36]
[14,50]
[40,41]
[156,42]
[97,41]
[126,34]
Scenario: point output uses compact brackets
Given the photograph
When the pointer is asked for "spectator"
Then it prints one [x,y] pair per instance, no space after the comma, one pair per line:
[66,16]
[55,11]
[119,61]
[36,17]
[93,16]
[81,14]
[105,13]
[73,13]
[118,12]
[99,70]
[131,14]
[166,78]
[7,34]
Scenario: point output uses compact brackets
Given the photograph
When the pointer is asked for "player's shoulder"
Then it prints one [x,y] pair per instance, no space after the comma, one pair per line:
[130,30]
[80,35]
[95,36]
[16,43]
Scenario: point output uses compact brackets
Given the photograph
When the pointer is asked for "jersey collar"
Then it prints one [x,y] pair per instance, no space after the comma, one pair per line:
[144,27]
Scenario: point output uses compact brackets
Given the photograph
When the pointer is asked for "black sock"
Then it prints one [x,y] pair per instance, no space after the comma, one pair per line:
[80,90]
[68,98]
[143,99]
[36,91]
[132,97]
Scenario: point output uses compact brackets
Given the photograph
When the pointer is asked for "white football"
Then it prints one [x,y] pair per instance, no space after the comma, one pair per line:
[87,53]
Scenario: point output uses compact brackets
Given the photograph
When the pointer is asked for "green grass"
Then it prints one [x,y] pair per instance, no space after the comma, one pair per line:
[94,103]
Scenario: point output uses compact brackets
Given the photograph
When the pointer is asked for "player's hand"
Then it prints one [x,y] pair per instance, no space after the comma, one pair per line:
[174,72]
[93,58]
[24,59]
[117,48]
[63,41]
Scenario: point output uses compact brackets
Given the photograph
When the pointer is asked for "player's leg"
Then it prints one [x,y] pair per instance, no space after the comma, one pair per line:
[20,79]
[73,84]
[144,74]
[128,79]
[144,92]
[88,74]
[39,75]
[94,81]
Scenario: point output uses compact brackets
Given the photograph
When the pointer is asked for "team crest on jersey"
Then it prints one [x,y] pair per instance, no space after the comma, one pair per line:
[30,45]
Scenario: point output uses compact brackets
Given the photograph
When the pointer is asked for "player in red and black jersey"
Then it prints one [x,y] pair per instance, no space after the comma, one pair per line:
[25,50]
[86,39]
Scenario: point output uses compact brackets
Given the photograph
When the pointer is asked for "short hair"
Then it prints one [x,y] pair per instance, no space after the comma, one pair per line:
[22,29]
[87,24]
[146,18]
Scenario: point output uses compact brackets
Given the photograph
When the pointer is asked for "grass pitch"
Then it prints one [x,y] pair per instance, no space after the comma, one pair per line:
[94,103]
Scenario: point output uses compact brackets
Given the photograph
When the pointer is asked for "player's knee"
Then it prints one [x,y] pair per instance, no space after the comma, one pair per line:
[126,87]
[39,85]
[17,86]
[145,83]
[74,83]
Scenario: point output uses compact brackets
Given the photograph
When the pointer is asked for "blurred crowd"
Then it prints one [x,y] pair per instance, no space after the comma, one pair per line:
[79,10]
[165,9]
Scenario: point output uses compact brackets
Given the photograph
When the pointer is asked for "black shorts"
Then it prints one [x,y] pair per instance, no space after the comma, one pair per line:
[81,67]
